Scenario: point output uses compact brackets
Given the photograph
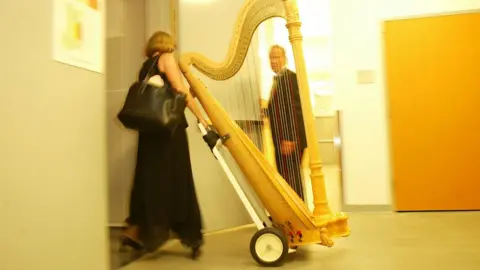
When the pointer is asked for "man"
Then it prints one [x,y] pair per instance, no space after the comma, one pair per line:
[286,120]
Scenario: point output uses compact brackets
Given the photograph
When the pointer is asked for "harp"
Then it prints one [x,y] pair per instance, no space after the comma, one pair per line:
[292,221]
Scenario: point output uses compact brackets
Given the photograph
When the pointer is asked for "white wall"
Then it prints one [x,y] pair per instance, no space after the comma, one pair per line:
[357,45]
[52,150]
[157,16]
[125,44]
[220,205]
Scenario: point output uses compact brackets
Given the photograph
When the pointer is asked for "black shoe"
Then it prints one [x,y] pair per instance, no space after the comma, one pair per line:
[196,252]
[194,246]
[126,241]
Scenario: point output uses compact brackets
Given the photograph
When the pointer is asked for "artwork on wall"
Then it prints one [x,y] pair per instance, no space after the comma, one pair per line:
[78,33]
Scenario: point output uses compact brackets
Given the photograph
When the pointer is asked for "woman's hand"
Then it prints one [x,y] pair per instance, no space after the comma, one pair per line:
[211,138]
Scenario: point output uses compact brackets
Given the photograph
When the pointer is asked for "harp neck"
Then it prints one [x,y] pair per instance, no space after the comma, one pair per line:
[251,16]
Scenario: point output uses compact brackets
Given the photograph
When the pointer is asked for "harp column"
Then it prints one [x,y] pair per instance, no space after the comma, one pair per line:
[317,176]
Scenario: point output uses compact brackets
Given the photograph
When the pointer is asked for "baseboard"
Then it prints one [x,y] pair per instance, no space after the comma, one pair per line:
[116,225]
[367,208]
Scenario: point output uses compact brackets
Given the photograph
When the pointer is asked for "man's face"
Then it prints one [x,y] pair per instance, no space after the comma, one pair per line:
[277,60]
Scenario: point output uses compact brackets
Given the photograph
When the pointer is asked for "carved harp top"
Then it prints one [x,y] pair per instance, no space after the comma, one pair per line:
[251,16]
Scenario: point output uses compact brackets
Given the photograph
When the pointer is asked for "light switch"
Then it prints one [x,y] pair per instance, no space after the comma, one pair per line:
[365,76]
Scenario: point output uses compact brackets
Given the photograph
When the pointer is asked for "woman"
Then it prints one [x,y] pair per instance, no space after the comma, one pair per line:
[163,198]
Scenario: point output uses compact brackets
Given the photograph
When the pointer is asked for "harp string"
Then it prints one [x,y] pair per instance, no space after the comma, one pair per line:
[267,36]
[255,94]
[284,119]
[284,112]
[289,126]
[242,102]
[246,95]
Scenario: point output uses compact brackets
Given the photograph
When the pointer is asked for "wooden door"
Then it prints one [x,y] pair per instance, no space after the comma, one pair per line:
[433,84]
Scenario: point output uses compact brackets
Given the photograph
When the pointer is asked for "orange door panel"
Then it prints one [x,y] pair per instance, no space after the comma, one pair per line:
[433,84]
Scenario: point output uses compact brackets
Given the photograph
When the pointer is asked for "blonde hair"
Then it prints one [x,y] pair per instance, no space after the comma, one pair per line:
[160,42]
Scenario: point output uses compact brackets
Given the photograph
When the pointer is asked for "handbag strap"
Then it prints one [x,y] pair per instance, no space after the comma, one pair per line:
[147,76]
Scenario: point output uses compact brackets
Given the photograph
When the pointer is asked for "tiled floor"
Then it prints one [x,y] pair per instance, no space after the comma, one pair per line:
[379,241]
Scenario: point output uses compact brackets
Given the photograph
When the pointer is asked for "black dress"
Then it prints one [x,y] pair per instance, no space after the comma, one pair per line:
[163,197]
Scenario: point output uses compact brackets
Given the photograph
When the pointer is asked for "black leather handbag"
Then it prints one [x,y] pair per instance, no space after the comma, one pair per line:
[152,108]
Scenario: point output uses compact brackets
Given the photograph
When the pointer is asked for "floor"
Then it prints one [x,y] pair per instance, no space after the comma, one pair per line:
[379,241]
[120,259]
